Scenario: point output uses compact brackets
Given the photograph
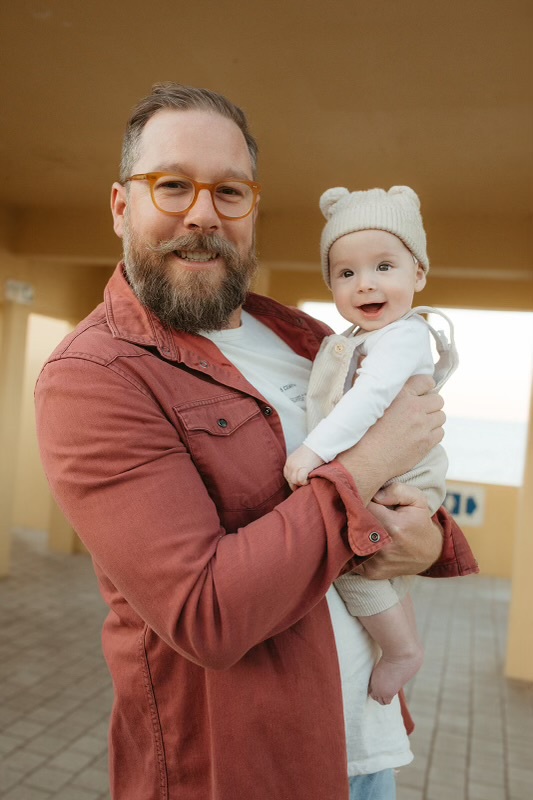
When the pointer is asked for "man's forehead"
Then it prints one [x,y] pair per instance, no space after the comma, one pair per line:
[178,137]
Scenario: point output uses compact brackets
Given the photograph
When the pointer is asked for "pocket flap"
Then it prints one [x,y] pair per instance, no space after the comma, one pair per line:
[220,416]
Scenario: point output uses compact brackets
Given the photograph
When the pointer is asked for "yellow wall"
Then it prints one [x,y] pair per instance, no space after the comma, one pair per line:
[66,289]
[493,542]
[520,644]
[32,504]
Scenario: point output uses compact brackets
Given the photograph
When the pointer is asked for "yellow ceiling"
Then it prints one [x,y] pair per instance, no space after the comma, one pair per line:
[436,95]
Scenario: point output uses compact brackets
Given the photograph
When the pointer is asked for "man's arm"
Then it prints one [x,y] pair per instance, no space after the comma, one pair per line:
[407,431]
[416,541]
[127,483]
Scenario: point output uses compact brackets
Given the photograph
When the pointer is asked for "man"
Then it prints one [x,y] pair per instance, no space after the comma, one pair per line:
[168,461]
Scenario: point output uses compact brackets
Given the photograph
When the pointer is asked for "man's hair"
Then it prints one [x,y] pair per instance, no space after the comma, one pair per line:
[179,98]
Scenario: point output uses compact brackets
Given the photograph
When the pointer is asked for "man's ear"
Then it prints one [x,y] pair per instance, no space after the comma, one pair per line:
[420,280]
[119,202]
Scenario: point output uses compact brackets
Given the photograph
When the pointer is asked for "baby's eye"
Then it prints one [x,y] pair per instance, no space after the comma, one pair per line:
[346,273]
[384,267]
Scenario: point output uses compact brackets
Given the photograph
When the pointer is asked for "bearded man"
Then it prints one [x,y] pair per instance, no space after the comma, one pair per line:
[164,423]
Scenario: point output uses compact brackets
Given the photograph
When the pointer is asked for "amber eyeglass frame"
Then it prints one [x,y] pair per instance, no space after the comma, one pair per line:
[153,177]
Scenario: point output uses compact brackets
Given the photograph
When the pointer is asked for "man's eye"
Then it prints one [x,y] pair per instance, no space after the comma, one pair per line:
[174,184]
[230,191]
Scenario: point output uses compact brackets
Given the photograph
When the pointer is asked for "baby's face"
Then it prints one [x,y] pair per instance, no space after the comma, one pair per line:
[373,278]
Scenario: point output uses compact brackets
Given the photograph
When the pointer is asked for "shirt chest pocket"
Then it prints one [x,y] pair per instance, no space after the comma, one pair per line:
[234,450]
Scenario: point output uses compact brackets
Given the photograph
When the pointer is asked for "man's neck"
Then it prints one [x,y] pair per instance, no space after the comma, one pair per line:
[235,319]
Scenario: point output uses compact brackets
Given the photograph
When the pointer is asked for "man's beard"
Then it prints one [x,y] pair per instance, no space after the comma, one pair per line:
[184,299]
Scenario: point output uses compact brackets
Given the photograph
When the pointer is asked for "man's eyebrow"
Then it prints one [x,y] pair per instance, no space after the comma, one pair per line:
[179,169]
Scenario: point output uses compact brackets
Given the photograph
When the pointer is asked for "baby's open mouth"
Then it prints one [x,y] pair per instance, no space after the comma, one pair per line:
[371,308]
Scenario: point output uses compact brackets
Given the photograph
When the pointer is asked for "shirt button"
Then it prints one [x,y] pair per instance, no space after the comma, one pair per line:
[267,411]
[339,348]
[222,423]
[375,537]
[203,364]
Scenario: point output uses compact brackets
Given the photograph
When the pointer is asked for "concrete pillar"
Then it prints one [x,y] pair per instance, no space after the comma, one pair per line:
[520,642]
[14,325]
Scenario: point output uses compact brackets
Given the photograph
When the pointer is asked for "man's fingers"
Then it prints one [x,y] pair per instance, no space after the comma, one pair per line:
[399,494]
[419,384]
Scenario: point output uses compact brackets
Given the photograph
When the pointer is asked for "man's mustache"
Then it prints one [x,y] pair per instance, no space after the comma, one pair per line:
[212,244]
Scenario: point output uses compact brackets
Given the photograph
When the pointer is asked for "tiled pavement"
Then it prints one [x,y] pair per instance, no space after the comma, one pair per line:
[474,735]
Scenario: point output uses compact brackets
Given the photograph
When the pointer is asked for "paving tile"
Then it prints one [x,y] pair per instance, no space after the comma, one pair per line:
[47,778]
[90,745]
[446,777]
[8,716]
[47,745]
[405,793]
[519,758]
[71,792]
[26,793]
[23,761]
[436,791]
[8,777]
[91,778]
[52,675]
[488,774]
[8,743]
[71,761]
[480,791]
[414,778]
[24,729]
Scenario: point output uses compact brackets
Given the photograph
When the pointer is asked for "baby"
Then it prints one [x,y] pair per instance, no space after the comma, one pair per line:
[374,259]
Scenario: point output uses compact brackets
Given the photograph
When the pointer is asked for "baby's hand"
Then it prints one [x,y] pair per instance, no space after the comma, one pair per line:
[298,466]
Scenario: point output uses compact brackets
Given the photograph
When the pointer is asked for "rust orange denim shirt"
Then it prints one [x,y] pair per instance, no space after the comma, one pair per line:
[218,637]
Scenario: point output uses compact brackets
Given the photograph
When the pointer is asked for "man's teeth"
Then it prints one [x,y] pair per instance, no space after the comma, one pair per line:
[196,255]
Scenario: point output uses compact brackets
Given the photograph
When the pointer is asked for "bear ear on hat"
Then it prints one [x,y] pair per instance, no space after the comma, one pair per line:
[329,200]
[407,192]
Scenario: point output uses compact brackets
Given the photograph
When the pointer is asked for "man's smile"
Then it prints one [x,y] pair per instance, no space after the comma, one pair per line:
[196,255]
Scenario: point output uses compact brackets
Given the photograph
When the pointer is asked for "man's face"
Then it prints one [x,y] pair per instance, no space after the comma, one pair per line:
[192,270]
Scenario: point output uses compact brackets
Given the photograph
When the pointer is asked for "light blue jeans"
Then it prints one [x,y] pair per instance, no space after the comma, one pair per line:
[377,786]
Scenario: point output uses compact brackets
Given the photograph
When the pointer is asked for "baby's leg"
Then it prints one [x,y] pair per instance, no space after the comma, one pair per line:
[402,654]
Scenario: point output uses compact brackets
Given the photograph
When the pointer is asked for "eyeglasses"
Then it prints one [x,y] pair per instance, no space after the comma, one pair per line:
[174,194]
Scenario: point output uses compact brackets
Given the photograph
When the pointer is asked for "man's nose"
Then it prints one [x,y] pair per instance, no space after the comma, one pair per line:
[202,214]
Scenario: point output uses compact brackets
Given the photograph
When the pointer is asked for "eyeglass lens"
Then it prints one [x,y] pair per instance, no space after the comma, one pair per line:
[176,194]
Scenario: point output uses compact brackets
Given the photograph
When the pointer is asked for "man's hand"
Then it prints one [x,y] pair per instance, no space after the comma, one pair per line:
[416,541]
[408,430]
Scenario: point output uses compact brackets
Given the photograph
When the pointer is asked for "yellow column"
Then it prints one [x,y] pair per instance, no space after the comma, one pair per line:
[61,535]
[261,283]
[520,643]
[12,358]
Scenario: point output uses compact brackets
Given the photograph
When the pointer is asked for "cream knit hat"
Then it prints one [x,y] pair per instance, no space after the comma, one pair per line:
[396,211]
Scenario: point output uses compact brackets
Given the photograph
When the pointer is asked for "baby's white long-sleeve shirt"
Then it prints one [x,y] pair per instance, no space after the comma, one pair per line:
[391,355]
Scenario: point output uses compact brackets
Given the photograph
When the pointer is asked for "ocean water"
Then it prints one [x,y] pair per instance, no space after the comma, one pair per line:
[486,451]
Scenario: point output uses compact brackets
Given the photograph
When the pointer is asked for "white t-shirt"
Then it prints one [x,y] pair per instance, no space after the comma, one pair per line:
[375,735]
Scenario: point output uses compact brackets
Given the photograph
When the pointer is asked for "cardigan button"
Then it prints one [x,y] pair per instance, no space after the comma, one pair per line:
[339,348]
[222,423]
[375,537]
[203,364]
[267,411]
